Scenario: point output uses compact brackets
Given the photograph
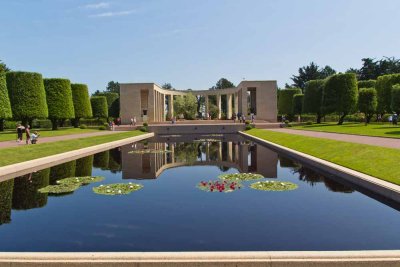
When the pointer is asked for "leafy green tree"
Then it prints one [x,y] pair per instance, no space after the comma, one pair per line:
[213,111]
[367,102]
[366,84]
[186,106]
[82,106]
[372,69]
[5,106]
[384,86]
[99,106]
[167,86]
[395,103]
[313,98]
[59,100]
[340,95]
[311,72]
[112,102]
[27,96]
[113,87]
[285,101]
[298,103]
[223,83]
[3,67]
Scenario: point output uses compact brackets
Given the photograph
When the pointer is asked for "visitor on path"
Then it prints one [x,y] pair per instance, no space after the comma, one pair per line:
[234,117]
[395,119]
[131,122]
[20,131]
[244,119]
[134,120]
[34,137]
[118,121]
[28,134]
[390,119]
[379,118]
[239,116]
[206,117]
[252,117]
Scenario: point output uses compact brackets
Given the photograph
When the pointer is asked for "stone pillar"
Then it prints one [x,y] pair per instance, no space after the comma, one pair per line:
[230,158]
[156,108]
[207,110]
[171,105]
[229,106]
[243,97]
[219,151]
[163,107]
[219,106]
[236,102]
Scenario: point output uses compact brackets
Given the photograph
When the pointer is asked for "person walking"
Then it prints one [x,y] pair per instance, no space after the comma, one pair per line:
[20,131]
[395,119]
[134,120]
[131,122]
[28,134]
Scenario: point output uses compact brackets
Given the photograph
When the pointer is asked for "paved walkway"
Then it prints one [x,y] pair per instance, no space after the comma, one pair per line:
[41,140]
[369,140]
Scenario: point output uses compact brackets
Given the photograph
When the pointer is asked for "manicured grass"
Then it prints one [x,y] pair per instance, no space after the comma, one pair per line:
[11,135]
[374,129]
[23,153]
[376,161]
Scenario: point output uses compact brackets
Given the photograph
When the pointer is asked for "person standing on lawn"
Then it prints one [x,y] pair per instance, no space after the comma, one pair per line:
[20,130]
[28,134]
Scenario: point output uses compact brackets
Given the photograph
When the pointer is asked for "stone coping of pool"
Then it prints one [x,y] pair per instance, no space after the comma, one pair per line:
[229,258]
[22,168]
[383,188]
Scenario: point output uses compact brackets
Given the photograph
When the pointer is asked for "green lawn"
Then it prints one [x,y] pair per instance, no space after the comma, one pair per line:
[23,153]
[376,161]
[374,129]
[11,135]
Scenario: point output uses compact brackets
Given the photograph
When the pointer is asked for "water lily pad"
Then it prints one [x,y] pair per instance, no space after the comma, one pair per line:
[81,180]
[117,189]
[240,176]
[59,189]
[274,186]
[218,186]
[148,151]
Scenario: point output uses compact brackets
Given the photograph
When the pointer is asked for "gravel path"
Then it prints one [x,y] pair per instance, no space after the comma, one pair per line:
[369,140]
[41,140]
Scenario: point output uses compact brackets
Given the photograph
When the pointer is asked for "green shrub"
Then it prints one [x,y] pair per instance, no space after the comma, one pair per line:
[248,127]
[93,122]
[143,129]
[309,123]
[312,102]
[366,84]
[59,100]
[285,100]
[82,106]
[99,106]
[383,87]
[145,124]
[5,106]
[83,126]
[112,103]
[340,95]
[105,124]
[298,103]
[27,96]
[102,128]
[367,102]
[395,101]
[247,122]
[213,110]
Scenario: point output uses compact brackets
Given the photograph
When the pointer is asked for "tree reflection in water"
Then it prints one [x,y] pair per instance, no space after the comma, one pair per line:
[6,192]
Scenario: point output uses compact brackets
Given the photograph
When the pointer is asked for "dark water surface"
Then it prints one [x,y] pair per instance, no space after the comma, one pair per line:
[171,214]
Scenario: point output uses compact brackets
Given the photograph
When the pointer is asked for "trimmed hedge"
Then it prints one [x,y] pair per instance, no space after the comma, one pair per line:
[59,100]
[84,166]
[384,86]
[5,106]
[340,95]
[62,171]
[285,101]
[366,84]
[82,106]
[298,103]
[99,106]
[27,95]
[25,193]
[395,101]
[101,160]
[312,102]
[367,102]
[112,103]
[6,190]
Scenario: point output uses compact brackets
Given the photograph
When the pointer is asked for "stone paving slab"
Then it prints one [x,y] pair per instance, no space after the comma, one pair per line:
[360,139]
[50,139]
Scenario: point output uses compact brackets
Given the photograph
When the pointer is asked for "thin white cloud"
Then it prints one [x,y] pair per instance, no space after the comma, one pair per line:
[112,14]
[97,5]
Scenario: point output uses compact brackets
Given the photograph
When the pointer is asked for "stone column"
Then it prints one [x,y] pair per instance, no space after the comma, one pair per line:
[229,106]
[230,158]
[171,105]
[236,102]
[243,97]
[219,151]
[163,107]
[207,110]
[219,106]
[156,107]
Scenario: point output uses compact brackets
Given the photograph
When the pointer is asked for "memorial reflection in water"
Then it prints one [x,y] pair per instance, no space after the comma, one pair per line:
[224,152]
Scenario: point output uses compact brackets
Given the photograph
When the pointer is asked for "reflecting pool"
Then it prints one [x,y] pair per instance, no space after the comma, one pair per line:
[171,214]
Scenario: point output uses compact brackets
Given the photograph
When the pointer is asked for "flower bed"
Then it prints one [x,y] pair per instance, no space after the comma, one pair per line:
[240,176]
[59,189]
[274,186]
[81,180]
[117,189]
[218,186]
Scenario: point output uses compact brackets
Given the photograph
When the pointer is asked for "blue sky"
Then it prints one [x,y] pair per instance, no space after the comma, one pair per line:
[191,44]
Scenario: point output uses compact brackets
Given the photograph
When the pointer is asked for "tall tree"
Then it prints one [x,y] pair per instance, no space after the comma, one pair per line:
[311,72]
[340,95]
[367,102]
[313,98]
[5,106]
[285,102]
[113,87]
[222,84]
[82,106]
[371,68]
[167,86]
[3,67]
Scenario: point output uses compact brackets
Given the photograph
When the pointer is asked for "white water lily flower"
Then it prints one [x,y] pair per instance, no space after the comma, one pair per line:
[119,191]
[101,185]
[108,191]
[131,186]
